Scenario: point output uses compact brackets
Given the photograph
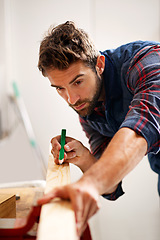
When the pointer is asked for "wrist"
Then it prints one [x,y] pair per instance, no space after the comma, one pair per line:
[87,182]
[89,160]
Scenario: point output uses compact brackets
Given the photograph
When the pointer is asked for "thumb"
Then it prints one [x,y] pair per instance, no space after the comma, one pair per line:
[46,198]
[58,192]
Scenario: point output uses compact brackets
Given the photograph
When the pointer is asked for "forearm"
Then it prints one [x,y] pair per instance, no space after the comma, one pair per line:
[89,160]
[123,153]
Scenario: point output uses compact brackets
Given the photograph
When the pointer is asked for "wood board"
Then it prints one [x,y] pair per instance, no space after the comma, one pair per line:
[7,206]
[57,220]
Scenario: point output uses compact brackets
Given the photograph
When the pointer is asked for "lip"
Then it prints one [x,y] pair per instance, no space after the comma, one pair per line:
[81,106]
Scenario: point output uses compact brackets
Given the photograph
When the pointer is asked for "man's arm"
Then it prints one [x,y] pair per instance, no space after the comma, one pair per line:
[98,143]
[124,152]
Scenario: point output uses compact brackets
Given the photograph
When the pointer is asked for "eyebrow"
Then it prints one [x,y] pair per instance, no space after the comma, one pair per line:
[72,81]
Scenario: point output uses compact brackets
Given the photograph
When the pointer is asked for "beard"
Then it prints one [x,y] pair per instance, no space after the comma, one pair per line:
[90,103]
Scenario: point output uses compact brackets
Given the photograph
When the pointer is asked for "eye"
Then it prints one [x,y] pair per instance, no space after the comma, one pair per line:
[78,82]
[59,88]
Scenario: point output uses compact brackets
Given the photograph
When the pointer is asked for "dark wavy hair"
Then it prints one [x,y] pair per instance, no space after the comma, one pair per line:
[64,45]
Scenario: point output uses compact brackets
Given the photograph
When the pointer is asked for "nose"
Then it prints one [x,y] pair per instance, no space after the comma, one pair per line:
[72,97]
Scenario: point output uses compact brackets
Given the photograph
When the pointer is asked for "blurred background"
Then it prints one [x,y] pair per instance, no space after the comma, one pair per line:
[25,94]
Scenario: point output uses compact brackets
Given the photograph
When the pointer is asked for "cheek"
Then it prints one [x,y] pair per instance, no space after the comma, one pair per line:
[89,91]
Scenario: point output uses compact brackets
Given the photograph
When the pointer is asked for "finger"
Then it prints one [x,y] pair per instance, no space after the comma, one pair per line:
[91,207]
[56,160]
[56,139]
[55,156]
[56,193]
[82,223]
[77,204]
[62,192]
[72,145]
[71,155]
[69,152]
[46,198]
[82,229]
[56,143]
[56,148]
[69,139]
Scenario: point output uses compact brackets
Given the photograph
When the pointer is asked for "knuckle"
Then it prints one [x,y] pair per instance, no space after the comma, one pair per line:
[53,140]
[53,152]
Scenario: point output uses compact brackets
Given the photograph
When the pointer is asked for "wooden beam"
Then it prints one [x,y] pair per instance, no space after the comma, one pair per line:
[57,219]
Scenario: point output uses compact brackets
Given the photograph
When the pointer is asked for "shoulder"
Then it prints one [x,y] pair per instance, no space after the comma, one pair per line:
[128,50]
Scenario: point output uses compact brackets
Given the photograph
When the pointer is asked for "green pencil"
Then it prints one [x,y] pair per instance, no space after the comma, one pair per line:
[61,152]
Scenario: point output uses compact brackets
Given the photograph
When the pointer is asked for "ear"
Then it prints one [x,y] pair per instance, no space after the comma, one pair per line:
[100,64]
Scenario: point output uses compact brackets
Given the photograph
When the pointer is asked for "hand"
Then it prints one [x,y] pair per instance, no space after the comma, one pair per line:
[84,199]
[75,152]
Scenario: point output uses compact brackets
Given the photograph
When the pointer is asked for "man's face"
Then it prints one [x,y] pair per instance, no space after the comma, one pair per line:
[79,85]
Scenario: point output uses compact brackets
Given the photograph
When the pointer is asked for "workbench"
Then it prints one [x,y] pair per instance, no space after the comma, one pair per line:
[56,220]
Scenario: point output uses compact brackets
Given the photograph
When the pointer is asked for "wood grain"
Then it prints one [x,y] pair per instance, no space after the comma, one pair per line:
[7,206]
[57,219]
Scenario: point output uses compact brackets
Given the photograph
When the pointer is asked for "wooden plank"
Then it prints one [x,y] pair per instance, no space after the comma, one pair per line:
[27,198]
[57,219]
[7,206]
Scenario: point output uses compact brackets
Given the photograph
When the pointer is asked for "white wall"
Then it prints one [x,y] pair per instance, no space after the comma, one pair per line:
[110,23]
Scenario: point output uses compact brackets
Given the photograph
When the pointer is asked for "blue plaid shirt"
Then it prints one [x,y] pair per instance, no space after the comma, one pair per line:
[132,89]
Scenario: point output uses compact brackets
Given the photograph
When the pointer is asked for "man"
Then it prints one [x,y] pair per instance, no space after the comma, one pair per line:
[117,96]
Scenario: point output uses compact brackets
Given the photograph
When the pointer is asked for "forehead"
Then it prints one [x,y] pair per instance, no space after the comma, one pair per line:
[58,77]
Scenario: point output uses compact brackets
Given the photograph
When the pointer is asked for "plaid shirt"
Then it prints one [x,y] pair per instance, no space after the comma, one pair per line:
[132,86]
